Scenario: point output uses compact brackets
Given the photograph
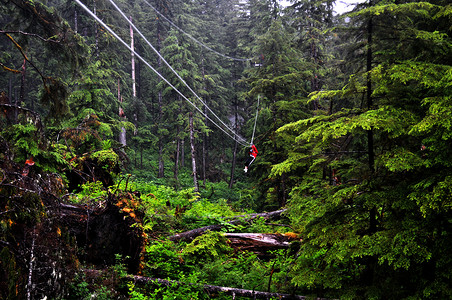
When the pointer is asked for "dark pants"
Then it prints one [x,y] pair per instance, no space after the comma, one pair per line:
[249,161]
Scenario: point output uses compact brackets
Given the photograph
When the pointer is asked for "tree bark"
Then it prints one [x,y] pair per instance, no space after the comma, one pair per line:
[259,243]
[182,153]
[122,117]
[96,31]
[178,146]
[193,153]
[234,155]
[177,155]
[30,267]
[370,137]
[234,158]
[182,142]
[204,157]
[204,140]
[134,86]
[161,168]
[75,21]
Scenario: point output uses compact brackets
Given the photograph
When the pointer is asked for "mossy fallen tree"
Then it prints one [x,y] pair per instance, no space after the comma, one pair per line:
[191,234]
[260,243]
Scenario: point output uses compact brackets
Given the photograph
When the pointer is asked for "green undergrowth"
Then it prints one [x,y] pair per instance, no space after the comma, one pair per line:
[207,259]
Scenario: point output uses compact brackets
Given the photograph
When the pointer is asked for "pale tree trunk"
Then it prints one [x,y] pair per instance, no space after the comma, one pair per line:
[234,156]
[182,153]
[193,153]
[161,167]
[204,154]
[370,138]
[134,88]
[370,135]
[182,143]
[122,117]
[161,171]
[177,155]
[178,147]
[75,21]
[96,31]
[138,78]
[30,266]
[204,140]
[132,45]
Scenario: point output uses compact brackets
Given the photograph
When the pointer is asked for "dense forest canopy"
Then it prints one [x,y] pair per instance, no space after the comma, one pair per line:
[125,126]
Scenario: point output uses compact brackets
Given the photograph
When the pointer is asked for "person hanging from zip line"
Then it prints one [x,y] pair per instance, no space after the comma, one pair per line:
[252,156]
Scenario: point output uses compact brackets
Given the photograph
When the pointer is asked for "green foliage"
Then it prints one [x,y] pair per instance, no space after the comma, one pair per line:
[119,268]
[89,191]
[108,159]
[25,139]
[244,271]
[259,225]
[367,227]
[81,289]
[162,260]
[432,195]
[367,186]
[175,291]
[206,247]
[207,209]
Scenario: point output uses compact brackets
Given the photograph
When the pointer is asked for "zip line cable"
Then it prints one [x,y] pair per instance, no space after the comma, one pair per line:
[154,70]
[194,39]
[255,120]
[174,71]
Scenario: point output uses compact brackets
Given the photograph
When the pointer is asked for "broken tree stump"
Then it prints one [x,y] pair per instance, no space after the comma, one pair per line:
[102,231]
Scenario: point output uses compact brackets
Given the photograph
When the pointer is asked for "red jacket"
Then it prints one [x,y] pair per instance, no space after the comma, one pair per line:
[253,151]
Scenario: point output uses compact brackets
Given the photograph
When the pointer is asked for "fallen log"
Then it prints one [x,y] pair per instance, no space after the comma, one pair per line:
[191,234]
[219,289]
[260,240]
[260,244]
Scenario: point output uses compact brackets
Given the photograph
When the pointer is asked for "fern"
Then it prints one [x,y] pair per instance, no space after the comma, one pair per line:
[206,247]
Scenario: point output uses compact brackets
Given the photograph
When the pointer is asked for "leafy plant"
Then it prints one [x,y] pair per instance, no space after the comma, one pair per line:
[89,191]
[162,260]
[206,247]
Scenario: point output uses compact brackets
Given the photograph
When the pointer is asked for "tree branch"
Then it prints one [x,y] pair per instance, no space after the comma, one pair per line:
[44,79]
[30,34]
[9,69]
